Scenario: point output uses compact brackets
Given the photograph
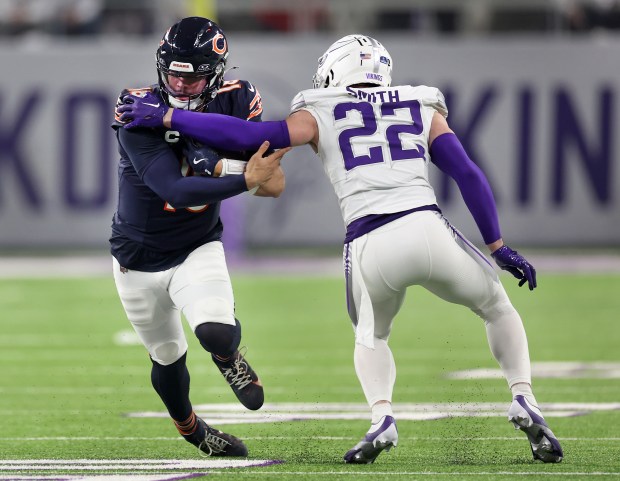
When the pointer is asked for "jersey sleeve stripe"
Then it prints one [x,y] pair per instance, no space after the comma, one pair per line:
[229,88]
[255,113]
[256,106]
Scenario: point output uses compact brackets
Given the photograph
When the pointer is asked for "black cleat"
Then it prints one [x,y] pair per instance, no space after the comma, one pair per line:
[214,442]
[242,379]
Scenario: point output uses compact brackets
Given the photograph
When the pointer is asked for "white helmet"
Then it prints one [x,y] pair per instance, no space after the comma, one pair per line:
[354,59]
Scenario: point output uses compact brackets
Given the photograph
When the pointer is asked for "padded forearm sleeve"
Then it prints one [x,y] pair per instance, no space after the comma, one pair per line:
[230,133]
[448,154]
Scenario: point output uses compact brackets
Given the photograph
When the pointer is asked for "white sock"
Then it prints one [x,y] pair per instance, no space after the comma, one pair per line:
[508,344]
[376,372]
[525,390]
[379,410]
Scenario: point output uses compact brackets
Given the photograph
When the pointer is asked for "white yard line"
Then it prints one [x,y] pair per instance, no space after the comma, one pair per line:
[231,413]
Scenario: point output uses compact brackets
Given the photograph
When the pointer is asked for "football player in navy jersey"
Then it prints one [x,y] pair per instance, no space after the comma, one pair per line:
[376,142]
[166,244]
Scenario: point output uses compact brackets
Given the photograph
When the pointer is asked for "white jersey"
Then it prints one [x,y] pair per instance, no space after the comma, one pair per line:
[373,143]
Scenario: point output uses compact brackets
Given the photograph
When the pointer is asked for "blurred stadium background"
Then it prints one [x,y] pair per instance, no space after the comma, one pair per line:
[532,88]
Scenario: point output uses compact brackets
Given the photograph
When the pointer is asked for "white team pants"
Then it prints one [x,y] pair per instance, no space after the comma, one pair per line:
[423,249]
[200,288]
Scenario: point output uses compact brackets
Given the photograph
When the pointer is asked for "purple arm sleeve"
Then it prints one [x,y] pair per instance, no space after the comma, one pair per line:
[448,154]
[230,133]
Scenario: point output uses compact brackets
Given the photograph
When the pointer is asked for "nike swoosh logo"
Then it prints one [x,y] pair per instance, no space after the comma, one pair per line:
[197,161]
[152,105]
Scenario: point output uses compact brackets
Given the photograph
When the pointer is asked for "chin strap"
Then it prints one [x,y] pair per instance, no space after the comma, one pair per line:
[193,104]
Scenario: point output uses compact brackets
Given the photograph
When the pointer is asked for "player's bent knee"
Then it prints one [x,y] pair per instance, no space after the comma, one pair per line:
[219,339]
[496,310]
[167,353]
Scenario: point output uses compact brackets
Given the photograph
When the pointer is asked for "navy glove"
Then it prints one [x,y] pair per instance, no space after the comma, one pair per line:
[140,108]
[516,264]
[201,158]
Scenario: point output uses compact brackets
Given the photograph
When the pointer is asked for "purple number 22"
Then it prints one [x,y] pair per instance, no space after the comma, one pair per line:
[369,127]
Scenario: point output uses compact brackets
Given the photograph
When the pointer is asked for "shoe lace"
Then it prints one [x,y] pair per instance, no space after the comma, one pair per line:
[212,444]
[238,374]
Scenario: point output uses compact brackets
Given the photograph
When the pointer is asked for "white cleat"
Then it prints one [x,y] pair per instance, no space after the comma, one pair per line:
[381,436]
[545,446]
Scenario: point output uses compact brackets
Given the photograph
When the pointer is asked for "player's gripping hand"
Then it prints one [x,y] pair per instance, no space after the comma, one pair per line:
[141,109]
[516,264]
[262,166]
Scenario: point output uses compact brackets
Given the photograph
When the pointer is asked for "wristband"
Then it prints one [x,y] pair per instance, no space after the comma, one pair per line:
[232,167]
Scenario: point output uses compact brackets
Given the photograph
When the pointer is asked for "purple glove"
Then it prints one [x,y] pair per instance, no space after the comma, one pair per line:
[516,264]
[141,109]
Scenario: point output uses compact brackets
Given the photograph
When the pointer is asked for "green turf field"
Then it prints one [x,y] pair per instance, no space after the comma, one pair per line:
[69,390]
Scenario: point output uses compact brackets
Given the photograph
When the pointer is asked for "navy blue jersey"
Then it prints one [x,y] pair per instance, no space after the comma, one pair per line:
[165,211]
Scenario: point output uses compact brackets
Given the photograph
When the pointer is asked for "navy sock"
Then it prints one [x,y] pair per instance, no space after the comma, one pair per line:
[172,384]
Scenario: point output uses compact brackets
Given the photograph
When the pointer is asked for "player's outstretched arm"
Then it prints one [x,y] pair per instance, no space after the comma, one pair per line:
[225,132]
[216,130]
[448,154]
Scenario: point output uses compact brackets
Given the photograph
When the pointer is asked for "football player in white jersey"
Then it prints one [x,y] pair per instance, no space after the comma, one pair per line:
[376,143]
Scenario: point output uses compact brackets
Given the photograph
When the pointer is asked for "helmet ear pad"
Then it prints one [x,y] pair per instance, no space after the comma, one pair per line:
[194,46]
[354,59]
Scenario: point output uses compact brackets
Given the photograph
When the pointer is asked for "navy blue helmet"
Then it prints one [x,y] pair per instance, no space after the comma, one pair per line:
[195,48]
